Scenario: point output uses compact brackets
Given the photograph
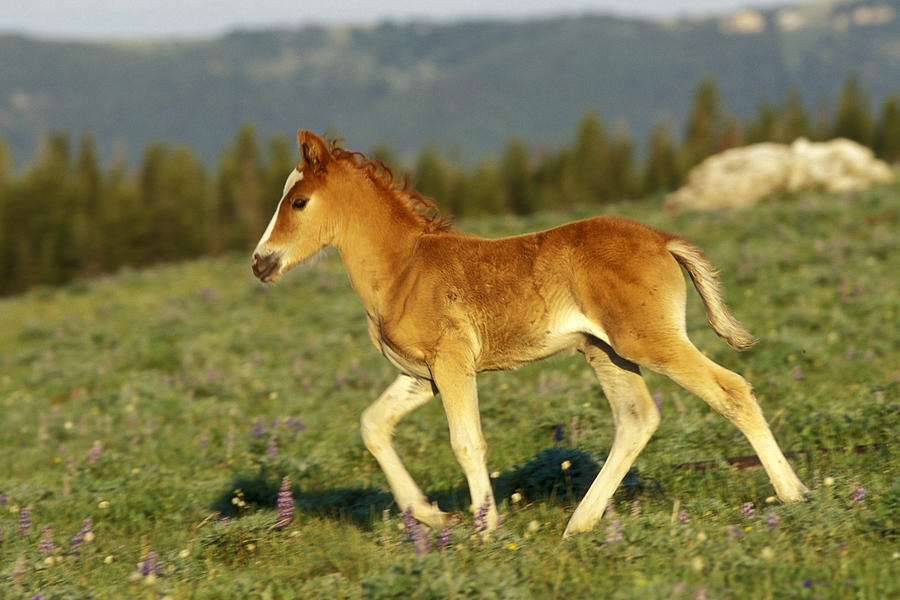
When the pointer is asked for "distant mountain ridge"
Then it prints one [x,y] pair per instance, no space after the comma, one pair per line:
[466,87]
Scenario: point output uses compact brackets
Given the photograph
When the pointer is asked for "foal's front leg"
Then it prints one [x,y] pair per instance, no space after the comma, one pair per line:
[377,425]
[459,394]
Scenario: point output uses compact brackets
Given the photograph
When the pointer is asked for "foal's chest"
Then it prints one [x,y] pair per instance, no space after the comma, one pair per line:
[410,365]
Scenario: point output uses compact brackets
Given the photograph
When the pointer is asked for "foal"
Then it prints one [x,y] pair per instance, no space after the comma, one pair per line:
[442,307]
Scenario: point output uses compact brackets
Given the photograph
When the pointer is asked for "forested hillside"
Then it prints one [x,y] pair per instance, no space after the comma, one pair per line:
[466,87]
[67,216]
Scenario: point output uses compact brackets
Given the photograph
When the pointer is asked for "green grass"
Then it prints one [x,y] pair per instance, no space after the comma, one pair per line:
[172,369]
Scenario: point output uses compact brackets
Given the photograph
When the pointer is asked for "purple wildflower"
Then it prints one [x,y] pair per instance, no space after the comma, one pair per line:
[38,596]
[272,449]
[772,520]
[296,424]
[258,429]
[285,504]
[415,533]
[18,569]
[807,583]
[47,546]
[421,543]
[859,494]
[683,517]
[410,525]
[82,536]
[150,565]
[2,499]
[747,510]
[24,521]
[798,375]
[444,539]
[558,433]
[575,430]
[613,533]
[734,532]
[657,400]
[481,523]
[94,453]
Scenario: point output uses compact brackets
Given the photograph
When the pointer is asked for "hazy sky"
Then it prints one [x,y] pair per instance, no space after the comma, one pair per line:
[166,18]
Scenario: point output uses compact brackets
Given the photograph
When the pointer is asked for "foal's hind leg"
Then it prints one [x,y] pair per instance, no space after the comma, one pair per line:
[377,425]
[730,395]
[636,418]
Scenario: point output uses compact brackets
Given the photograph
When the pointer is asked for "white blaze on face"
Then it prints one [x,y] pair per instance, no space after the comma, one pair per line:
[292,179]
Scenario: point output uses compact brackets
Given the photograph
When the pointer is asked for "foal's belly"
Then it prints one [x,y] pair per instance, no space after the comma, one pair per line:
[407,365]
[564,330]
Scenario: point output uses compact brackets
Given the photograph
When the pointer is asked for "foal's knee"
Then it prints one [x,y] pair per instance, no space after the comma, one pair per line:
[468,448]
[737,397]
[376,432]
[640,415]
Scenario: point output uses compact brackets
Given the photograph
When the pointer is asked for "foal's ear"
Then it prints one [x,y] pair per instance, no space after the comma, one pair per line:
[315,152]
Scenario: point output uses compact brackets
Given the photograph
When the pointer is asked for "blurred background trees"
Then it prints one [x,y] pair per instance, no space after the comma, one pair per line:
[67,216]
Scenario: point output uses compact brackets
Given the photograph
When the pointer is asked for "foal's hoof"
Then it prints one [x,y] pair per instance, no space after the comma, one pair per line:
[798,493]
[452,519]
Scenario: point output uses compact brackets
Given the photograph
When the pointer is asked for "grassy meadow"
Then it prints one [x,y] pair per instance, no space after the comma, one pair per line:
[166,406]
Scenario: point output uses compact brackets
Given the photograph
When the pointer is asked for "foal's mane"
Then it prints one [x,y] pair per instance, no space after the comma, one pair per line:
[423,209]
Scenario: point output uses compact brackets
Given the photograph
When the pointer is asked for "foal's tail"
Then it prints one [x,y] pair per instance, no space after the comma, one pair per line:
[707,283]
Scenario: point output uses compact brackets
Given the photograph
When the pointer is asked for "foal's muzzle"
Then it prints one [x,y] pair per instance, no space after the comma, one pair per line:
[265,266]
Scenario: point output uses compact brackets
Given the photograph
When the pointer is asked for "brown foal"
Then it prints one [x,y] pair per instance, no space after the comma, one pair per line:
[443,306]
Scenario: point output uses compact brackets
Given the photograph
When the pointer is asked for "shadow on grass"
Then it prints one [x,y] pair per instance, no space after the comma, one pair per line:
[541,479]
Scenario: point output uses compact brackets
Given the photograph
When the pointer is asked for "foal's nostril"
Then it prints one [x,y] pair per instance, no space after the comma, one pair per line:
[264,266]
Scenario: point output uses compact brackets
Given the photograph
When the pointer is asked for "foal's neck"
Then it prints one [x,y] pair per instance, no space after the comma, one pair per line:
[376,242]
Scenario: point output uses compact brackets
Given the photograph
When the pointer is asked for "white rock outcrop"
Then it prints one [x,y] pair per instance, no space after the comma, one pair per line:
[740,177]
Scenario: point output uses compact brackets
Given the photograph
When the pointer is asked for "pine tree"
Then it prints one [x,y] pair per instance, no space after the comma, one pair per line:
[796,121]
[38,228]
[150,231]
[6,164]
[765,126]
[481,191]
[853,119]
[704,123]
[89,219]
[5,184]
[887,139]
[820,130]
[282,158]
[431,177]
[122,207]
[661,170]
[515,170]
[241,211]
[622,182]
[730,135]
[590,159]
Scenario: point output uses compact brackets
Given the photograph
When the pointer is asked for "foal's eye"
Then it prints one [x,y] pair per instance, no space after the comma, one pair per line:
[299,203]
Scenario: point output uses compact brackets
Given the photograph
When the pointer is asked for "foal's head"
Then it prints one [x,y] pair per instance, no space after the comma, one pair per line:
[307,216]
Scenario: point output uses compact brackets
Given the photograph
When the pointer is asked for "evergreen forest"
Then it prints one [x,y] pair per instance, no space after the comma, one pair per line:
[67,215]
